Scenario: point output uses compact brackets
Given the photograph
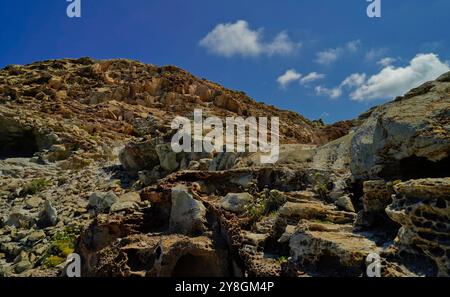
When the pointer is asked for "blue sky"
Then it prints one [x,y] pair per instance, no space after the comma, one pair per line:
[348,62]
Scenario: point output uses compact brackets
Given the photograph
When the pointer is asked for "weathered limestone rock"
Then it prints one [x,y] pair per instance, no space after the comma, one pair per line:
[36,236]
[422,208]
[152,256]
[236,202]
[137,156]
[33,202]
[377,196]
[229,103]
[333,248]
[66,121]
[187,215]
[315,210]
[130,197]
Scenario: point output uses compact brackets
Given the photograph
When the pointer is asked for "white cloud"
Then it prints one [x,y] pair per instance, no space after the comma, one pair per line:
[354,80]
[281,45]
[311,77]
[288,77]
[391,81]
[238,39]
[329,56]
[375,53]
[353,45]
[332,93]
[385,62]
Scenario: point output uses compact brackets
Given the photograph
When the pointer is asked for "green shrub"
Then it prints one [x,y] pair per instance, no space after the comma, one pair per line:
[62,245]
[266,203]
[274,200]
[35,186]
[321,185]
[282,259]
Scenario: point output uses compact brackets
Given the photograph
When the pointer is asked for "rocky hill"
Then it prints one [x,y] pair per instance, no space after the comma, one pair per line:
[86,167]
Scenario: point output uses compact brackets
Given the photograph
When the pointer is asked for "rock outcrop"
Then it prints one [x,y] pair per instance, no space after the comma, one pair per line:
[422,208]
[407,138]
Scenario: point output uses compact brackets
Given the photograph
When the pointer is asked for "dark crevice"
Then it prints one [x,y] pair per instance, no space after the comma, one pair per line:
[195,266]
[415,168]
[21,144]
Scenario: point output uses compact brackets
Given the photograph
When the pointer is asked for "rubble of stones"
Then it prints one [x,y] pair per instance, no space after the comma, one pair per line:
[86,167]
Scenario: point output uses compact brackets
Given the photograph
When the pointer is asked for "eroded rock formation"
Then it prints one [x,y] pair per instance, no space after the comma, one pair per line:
[86,167]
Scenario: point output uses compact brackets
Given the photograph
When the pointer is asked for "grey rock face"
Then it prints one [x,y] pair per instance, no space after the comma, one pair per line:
[413,129]
[187,214]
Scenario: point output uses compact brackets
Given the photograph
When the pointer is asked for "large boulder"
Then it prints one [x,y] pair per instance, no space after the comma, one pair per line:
[407,138]
[137,156]
[236,202]
[228,102]
[187,216]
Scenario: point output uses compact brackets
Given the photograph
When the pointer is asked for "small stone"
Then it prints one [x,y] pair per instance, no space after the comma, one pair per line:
[22,266]
[40,249]
[288,232]
[345,202]
[36,236]
[58,152]
[204,164]
[17,235]
[49,215]
[23,256]
[33,202]
[102,202]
